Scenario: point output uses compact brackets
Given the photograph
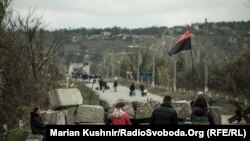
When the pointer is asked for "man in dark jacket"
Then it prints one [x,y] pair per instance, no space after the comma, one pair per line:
[36,122]
[142,89]
[115,85]
[132,89]
[165,114]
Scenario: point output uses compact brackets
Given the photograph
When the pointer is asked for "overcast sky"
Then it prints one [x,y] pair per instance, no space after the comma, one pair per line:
[133,13]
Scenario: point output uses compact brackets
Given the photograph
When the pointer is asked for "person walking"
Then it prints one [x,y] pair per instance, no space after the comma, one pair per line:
[142,89]
[132,89]
[115,84]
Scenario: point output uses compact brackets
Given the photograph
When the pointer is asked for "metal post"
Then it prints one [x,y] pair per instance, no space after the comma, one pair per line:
[153,75]
[104,67]
[91,92]
[5,131]
[112,67]
[148,81]
[108,69]
[168,83]
[67,79]
[174,75]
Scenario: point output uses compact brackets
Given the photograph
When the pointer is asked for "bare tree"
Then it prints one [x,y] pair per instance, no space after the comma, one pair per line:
[39,48]
[25,48]
[143,55]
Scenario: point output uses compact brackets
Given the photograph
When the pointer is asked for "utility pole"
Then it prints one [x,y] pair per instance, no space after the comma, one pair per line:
[138,66]
[67,80]
[153,76]
[104,67]
[206,59]
[153,71]
[108,69]
[112,66]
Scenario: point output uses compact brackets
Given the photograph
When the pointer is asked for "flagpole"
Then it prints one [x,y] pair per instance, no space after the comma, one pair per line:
[192,69]
[193,82]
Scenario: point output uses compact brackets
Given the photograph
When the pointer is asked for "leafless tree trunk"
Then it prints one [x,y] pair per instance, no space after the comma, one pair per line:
[39,48]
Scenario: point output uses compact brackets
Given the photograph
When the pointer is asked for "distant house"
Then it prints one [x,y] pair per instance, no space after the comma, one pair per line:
[96,36]
[122,36]
[179,29]
[123,53]
[77,54]
[211,33]
[171,31]
[73,66]
[225,28]
[232,40]
[84,68]
[86,57]
[215,26]
[106,34]
[74,39]
[133,46]
[196,27]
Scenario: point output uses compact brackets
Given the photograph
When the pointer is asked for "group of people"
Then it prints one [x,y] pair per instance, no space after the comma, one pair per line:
[166,114]
[163,115]
[103,85]
[132,90]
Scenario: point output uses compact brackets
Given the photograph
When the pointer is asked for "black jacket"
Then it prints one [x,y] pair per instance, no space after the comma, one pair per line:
[115,83]
[132,87]
[142,87]
[37,124]
[164,115]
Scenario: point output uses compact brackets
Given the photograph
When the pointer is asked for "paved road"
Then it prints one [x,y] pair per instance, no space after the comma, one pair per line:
[122,93]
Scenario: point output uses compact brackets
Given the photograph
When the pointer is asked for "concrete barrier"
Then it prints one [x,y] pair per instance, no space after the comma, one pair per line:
[89,114]
[145,108]
[55,118]
[216,111]
[61,98]
[182,108]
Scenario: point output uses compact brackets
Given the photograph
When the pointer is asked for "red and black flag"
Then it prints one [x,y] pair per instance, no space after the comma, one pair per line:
[184,43]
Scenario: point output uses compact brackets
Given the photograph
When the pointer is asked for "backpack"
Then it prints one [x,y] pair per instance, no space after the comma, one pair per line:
[200,119]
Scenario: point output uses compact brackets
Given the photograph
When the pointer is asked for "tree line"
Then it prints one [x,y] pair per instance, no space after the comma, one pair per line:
[222,28]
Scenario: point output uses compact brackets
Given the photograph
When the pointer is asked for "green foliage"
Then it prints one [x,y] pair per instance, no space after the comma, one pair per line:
[17,135]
